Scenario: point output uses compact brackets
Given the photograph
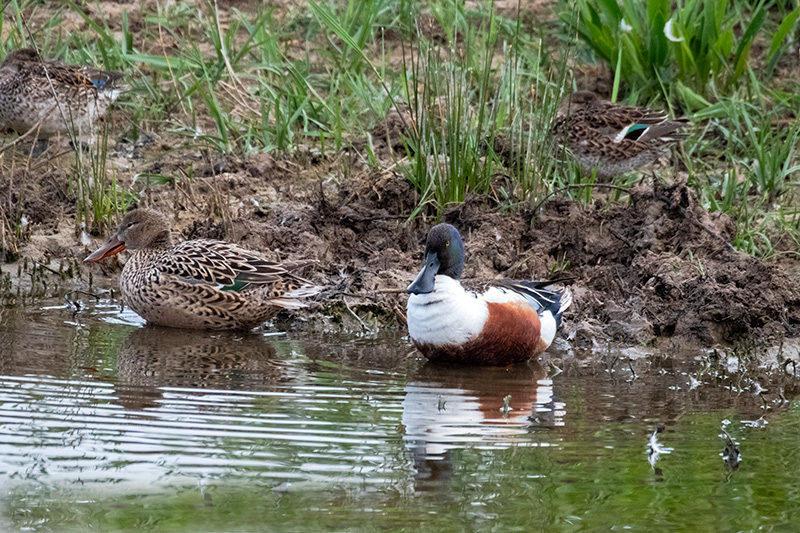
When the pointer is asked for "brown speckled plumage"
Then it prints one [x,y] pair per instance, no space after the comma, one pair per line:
[199,284]
[28,84]
[613,138]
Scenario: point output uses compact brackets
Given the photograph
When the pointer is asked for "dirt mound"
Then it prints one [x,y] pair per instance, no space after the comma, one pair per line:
[31,203]
[663,267]
[659,268]
[656,270]
[45,196]
[388,136]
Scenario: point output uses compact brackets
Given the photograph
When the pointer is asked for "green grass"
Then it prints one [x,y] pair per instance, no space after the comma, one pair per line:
[744,162]
[702,46]
[482,87]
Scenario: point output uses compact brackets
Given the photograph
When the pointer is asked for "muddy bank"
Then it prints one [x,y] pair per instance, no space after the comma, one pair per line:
[663,270]
[657,270]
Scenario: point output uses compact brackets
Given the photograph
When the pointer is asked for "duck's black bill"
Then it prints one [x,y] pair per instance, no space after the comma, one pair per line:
[426,277]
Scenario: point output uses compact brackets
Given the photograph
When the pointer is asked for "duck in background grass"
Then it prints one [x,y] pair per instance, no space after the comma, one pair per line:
[199,284]
[508,322]
[28,84]
[612,138]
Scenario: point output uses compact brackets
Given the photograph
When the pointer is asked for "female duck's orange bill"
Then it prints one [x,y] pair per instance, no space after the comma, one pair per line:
[112,247]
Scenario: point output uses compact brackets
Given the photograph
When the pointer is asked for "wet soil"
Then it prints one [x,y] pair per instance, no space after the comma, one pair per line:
[657,269]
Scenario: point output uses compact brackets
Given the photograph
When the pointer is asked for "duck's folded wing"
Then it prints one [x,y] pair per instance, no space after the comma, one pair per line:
[533,291]
[62,75]
[556,301]
[618,117]
[220,263]
[101,79]
[75,77]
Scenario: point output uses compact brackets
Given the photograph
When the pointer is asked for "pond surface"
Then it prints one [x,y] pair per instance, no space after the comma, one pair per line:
[109,425]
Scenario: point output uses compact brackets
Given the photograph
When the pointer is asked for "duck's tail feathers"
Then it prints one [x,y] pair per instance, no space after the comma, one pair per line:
[565,300]
[296,298]
[555,301]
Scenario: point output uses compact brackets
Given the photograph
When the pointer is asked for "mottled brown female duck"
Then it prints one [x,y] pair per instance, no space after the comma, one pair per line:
[32,89]
[612,138]
[199,284]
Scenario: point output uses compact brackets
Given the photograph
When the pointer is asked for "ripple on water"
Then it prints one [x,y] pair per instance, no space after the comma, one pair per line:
[91,404]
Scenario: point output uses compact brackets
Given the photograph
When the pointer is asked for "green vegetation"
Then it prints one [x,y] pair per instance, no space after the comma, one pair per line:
[476,88]
[698,46]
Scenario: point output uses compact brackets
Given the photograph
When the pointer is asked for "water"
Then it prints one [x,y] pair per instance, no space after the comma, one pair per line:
[112,426]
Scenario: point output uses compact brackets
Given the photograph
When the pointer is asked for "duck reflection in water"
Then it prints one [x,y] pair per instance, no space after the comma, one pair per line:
[156,357]
[447,407]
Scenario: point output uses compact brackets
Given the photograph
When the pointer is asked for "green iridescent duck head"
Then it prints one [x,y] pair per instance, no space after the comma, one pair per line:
[444,255]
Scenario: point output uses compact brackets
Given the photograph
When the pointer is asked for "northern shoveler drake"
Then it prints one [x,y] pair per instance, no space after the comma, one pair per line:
[612,138]
[63,97]
[510,322]
[199,284]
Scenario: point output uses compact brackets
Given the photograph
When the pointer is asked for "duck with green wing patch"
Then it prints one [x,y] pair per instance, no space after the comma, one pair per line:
[200,284]
[612,138]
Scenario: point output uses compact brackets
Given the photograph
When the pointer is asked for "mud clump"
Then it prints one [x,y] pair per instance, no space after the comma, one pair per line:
[656,270]
[389,137]
[45,196]
[663,268]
